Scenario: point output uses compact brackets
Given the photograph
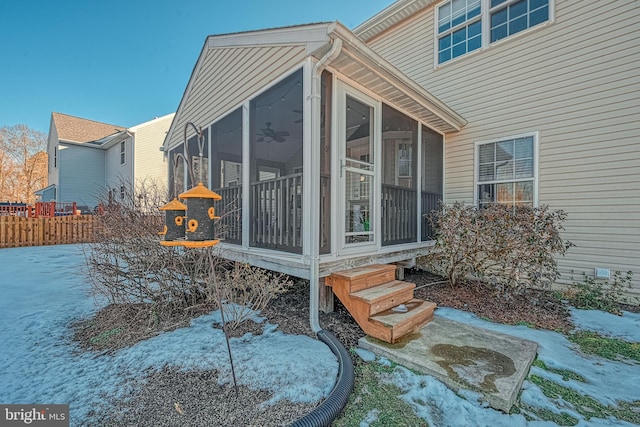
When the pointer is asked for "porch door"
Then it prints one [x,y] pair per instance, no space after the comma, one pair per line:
[357,171]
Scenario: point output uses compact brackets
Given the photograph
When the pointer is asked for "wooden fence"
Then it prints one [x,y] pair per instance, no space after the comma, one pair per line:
[16,231]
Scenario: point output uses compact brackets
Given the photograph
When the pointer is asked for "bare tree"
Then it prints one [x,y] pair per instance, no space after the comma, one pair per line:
[23,162]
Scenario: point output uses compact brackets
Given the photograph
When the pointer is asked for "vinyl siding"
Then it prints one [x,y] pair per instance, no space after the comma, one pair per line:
[117,174]
[52,143]
[149,161]
[576,81]
[81,177]
[228,76]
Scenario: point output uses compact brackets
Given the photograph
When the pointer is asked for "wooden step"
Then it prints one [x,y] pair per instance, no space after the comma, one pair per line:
[383,297]
[364,277]
[391,326]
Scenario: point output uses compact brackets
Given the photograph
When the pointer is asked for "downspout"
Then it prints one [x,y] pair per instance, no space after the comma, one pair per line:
[324,414]
[316,86]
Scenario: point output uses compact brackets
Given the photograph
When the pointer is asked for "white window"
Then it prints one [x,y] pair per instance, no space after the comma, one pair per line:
[405,158]
[123,192]
[55,156]
[460,23]
[506,171]
[123,151]
[459,28]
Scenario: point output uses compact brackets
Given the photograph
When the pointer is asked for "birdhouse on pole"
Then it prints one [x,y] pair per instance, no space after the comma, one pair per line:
[199,230]
[174,219]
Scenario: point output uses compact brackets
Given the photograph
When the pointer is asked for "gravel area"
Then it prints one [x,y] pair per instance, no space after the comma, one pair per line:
[170,397]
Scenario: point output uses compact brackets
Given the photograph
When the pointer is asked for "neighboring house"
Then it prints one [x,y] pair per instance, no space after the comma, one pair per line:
[91,161]
[329,146]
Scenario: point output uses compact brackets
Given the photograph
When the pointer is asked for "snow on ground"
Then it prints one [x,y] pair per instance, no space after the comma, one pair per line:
[42,292]
[626,327]
[609,382]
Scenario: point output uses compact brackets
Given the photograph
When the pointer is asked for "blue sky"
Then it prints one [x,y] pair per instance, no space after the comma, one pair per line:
[125,62]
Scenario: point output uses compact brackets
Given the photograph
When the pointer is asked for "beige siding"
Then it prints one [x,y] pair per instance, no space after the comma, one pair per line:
[228,76]
[149,161]
[576,81]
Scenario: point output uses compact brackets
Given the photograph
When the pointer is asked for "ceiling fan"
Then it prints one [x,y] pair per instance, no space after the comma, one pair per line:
[268,135]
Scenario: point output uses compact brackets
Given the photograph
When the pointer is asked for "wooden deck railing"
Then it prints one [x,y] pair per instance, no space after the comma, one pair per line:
[38,210]
[17,231]
[399,212]
[276,213]
[399,223]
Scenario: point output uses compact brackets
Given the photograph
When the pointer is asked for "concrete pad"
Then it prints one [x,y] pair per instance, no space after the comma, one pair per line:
[464,356]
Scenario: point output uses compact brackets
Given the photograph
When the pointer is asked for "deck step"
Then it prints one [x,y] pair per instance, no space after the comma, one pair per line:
[383,297]
[364,277]
[370,293]
[419,313]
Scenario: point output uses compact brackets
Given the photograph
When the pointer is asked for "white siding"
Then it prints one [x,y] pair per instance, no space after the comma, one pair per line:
[577,82]
[228,76]
[52,144]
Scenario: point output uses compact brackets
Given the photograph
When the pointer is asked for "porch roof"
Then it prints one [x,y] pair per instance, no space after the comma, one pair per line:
[362,64]
[355,60]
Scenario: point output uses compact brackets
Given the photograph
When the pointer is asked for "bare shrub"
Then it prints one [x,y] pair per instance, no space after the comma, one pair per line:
[127,265]
[510,248]
[249,289]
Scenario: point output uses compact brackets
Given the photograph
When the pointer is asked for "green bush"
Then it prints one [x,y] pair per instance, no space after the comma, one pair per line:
[591,294]
[510,248]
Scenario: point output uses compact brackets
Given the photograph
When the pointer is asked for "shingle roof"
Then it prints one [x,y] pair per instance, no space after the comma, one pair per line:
[76,129]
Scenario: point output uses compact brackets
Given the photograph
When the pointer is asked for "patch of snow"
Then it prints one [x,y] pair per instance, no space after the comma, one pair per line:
[609,381]
[371,417]
[365,355]
[42,293]
[626,327]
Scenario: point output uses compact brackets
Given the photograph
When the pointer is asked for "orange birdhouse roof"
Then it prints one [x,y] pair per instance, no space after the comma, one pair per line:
[200,192]
[174,205]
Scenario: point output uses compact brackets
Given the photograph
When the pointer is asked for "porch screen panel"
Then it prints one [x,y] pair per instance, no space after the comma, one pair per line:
[359,172]
[431,179]
[197,164]
[399,178]
[226,175]
[275,166]
[177,170]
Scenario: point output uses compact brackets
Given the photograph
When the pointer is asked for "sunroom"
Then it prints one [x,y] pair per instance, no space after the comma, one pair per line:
[325,155]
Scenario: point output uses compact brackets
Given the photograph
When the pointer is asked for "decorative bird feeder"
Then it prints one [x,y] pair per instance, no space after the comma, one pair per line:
[174,223]
[200,216]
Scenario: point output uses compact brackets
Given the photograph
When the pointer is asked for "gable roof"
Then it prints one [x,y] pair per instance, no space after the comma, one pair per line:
[389,17]
[76,129]
[352,58]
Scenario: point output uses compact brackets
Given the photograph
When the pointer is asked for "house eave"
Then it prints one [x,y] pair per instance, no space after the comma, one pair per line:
[389,17]
[365,66]
[312,36]
[102,143]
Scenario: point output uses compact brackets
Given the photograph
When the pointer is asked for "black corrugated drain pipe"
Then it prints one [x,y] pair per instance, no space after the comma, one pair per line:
[330,408]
